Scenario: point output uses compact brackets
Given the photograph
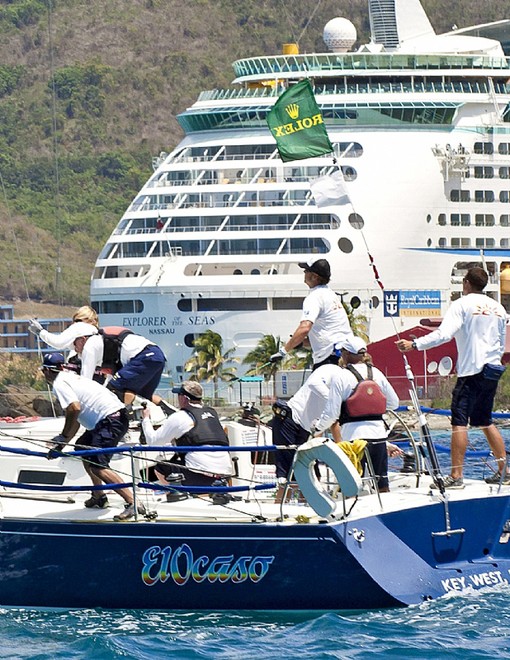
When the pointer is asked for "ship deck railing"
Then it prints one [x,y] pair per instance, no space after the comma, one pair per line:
[314,64]
[411,87]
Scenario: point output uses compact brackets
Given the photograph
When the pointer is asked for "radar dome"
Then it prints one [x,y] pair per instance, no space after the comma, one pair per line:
[339,35]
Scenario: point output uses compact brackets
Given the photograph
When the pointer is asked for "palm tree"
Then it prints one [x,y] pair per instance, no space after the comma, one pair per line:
[259,359]
[209,363]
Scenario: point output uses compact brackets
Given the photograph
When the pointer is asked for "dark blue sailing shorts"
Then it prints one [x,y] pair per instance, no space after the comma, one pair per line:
[472,400]
[142,373]
[107,433]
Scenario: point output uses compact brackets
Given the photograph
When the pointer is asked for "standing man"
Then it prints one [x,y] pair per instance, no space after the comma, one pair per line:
[478,324]
[193,425]
[88,403]
[365,418]
[324,321]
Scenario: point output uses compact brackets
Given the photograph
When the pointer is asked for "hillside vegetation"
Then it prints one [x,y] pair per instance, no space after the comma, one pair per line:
[89,92]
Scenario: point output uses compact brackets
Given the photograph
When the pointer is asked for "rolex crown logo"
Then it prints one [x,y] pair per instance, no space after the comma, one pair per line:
[293,110]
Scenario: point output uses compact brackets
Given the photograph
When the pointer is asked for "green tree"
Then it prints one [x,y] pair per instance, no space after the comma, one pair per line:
[209,362]
[258,358]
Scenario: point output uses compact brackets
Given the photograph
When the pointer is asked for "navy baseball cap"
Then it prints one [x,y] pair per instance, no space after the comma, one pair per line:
[53,361]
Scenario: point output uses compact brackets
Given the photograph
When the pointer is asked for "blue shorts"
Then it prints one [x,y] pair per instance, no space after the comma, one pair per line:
[287,432]
[142,373]
[472,400]
[107,433]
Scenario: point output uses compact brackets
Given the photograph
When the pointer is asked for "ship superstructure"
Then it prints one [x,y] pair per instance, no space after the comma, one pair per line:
[420,125]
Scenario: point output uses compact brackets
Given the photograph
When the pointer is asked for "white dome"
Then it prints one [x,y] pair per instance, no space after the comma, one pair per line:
[339,35]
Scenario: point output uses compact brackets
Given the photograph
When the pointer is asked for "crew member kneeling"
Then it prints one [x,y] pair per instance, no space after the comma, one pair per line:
[193,425]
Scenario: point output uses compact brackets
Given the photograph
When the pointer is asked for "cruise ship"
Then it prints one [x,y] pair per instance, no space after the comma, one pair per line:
[420,125]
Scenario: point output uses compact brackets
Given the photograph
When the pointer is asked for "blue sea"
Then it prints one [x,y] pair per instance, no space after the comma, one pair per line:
[464,626]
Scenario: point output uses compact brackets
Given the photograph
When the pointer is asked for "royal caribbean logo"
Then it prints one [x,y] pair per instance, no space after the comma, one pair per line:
[180,566]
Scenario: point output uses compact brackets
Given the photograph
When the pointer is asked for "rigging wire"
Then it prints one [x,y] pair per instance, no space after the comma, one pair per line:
[58,237]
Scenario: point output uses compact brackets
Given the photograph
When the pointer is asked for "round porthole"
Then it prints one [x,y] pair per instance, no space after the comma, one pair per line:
[356,221]
[355,302]
[375,302]
[345,245]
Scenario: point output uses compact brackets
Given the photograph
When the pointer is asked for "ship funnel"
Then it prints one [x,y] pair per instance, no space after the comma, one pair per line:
[290,49]
[394,21]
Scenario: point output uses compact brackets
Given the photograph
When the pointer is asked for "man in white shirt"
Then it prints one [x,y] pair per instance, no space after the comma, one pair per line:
[324,321]
[105,419]
[368,422]
[294,418]
[193,425]
[135,362]
[478,324]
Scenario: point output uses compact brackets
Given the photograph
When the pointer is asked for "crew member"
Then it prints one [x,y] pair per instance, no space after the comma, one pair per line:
[478,324]
[135,362]
[293,419]
[193,425]
[365,418]
[324,321]
[87,403]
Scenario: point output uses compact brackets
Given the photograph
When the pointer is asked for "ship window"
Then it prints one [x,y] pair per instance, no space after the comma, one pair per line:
[41,477]
[429,217]
[375,302]
[483,172]
[287,303]
[189,340]
[442,242]
[459,195]
[504,242]
[461,242]
[255,271]
[345,245]
[231,304]
[504,172]
[458,219]
[504,220]
[483,148]
[504,148]
[485,243]
[355,302]
[118,306]
[484,196]
[184,305]
[484,220]
[349,173]
[504,196]
[238,271]
[441,219]
[349,149]
[356,221]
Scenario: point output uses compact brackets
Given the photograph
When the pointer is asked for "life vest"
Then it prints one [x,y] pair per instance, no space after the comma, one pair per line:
[113,336]
[207,430]
[366,402]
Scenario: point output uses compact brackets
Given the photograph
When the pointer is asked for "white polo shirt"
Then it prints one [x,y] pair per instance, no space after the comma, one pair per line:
[330,322]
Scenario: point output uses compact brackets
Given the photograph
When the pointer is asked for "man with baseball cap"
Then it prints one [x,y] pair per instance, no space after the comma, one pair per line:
[324,321]
[193,425]
[105,419]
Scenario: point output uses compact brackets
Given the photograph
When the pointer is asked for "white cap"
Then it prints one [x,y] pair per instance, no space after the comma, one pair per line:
[82,329]
[354,345]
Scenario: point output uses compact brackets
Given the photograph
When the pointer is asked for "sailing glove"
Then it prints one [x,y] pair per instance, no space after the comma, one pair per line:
[35,327]
[276,357]
[59,443]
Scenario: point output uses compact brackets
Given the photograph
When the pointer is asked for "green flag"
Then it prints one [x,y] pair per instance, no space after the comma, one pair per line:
[297,125]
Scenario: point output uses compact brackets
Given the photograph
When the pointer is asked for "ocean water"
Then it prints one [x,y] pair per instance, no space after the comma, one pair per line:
[465,626]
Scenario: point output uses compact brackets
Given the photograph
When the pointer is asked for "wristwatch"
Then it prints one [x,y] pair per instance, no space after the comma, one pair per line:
[413,345]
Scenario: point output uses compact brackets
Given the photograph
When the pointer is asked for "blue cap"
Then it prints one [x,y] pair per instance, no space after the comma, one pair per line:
[53,361]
